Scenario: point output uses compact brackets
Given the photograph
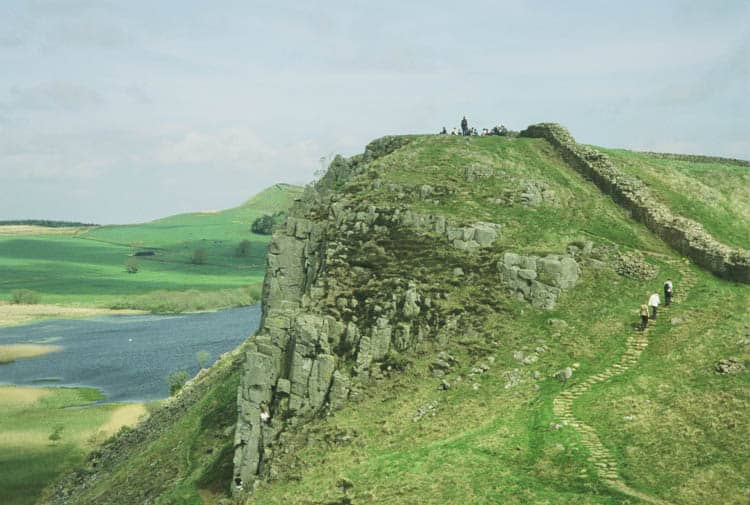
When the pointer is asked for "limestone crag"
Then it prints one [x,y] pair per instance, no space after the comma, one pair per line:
[330,316]
[465,238]
[685,235]
[351,287]
[538,280]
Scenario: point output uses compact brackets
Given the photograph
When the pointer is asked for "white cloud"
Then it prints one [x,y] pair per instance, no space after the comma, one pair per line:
[53,95]
[56,156]
[27,166]
[239,149]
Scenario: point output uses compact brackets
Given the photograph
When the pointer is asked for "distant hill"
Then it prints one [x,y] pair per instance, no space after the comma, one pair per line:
[277,198]
[46,223]
[88,267]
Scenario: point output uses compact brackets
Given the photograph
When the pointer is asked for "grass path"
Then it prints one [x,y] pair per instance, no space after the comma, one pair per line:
[562,406]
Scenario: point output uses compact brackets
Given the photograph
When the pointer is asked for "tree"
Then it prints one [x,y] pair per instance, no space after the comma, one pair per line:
[263,225]
[243,249]
[176,380]
[24,297]
[131,265]
[200,256]
[202,357]
[56,434]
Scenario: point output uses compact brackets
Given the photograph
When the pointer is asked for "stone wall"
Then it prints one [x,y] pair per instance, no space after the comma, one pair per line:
[685,235]
[697,158]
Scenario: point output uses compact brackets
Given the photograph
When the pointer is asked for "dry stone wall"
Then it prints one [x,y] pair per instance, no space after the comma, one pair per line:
[685,235]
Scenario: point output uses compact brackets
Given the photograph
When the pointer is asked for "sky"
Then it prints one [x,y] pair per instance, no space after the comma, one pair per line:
[127,111]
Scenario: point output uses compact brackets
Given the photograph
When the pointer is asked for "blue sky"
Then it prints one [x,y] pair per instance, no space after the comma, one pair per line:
[118,112]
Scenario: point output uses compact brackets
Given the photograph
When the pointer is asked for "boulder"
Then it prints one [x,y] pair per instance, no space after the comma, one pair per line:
[564,374]
[729,366]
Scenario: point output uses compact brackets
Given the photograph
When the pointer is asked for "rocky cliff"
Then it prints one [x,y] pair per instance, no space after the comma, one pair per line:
[452,320]
[352,285]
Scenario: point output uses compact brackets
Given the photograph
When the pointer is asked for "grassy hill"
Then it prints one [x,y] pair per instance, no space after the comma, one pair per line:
[642,418]
[86,266]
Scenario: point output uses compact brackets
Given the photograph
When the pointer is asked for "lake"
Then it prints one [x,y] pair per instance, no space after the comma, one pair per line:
[126,357]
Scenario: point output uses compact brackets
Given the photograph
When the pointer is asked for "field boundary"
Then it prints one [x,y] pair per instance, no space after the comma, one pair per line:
[685,235]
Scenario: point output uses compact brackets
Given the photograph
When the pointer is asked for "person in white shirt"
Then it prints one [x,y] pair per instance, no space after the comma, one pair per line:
[654,302]
[667,292]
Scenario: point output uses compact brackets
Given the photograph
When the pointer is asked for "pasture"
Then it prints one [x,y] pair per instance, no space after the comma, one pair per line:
[30,455]
[194,256]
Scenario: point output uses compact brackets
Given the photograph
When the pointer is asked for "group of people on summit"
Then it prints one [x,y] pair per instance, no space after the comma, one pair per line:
[653,304]
[467,131]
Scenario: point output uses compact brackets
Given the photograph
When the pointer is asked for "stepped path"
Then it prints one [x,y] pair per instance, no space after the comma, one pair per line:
[562,405]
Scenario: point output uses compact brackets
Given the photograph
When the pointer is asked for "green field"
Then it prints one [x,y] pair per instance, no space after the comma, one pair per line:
[87,267]
[28,458]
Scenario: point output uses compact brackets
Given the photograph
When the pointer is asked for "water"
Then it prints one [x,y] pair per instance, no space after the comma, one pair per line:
[127,357]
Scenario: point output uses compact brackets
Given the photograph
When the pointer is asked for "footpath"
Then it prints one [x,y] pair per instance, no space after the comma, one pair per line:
[562,406]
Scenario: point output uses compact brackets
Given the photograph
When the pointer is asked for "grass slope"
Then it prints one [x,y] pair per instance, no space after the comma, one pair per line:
[677,430]
[88,267]
[181,454]
[492,443]
[714,193]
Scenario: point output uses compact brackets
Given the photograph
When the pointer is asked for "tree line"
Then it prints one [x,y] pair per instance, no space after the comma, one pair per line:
[44,222]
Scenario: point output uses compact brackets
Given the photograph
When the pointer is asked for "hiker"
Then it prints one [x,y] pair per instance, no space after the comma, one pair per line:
[464,127]
[644,316]
[454,131]
[654,302]
[668,292]
[444,131]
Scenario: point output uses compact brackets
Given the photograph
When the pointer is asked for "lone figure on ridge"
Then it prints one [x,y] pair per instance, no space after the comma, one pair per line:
[464,127]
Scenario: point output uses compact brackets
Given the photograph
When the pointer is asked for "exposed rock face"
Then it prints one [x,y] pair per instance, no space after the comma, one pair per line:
[465,238]
[538,280]
[341,300]
[328,319]
[534,193]
[685,235]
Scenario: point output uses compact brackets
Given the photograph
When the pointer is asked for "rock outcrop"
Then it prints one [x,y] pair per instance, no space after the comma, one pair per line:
[685,235]
[538,280]
[342,299]
[328,320]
